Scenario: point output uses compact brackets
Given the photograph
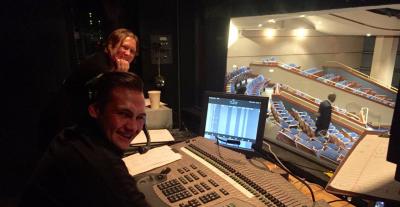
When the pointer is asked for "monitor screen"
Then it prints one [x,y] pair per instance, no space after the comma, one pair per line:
[235,121]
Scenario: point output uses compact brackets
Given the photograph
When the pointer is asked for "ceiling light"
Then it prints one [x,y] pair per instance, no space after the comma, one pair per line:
[300,32]
[302,15]
[260,25]
[368,34]
[269,32]
[271,21]
[271,70]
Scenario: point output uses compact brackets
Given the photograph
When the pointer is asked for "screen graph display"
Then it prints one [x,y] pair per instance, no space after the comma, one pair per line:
[233,122]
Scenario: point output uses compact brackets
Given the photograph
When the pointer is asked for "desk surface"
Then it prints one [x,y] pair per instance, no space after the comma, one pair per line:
[319,191]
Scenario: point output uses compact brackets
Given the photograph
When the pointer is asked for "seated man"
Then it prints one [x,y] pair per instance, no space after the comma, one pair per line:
[83,165]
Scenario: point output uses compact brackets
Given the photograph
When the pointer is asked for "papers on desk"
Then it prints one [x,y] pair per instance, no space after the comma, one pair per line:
[156,157]
[365,172]
[156,135]
[147,102]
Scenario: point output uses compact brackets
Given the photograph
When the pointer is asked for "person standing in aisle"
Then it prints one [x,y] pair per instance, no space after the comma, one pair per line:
[324,115]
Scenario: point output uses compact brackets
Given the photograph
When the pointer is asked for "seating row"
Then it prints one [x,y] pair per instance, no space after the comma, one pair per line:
[351,86]
[297,130]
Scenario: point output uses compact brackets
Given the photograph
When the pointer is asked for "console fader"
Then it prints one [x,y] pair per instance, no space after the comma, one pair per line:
[208,175]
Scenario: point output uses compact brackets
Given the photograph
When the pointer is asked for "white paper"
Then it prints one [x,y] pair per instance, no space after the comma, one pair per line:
[156,135]
[156,157]
[366,170]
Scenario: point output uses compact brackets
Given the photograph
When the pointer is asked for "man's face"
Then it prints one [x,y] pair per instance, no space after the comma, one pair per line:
[123,116]
[126,50]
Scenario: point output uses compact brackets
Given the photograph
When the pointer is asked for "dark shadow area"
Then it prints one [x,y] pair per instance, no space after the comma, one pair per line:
[44,41]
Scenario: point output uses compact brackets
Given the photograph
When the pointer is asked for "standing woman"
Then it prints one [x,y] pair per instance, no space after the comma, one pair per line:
[119,51]
[68,107]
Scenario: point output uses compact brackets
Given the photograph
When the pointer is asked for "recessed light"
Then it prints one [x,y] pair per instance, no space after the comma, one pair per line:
[300,32]
[260,25]
[269,32]
[368,34]
[271,21]
[302,15]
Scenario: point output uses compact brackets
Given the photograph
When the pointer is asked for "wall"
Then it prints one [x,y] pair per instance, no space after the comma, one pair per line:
[311,51]
[369,45]
[35,62]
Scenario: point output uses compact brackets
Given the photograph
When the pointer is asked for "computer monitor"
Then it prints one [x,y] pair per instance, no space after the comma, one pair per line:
[235,121]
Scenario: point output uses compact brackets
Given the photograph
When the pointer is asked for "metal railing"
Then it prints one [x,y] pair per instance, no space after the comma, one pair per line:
[352,70]
[374,97]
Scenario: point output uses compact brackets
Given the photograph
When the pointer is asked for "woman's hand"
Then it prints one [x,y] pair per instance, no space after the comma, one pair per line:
[122,65]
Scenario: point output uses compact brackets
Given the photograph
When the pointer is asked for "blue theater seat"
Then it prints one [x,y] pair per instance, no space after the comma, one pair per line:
[284,125]
[342,84]
[316,145]
[332,131]
[333,146]
[303,142]
[289,135]
[330,154]
[293,124]
[354,135]
[342,138]
[349,145]
[321,139]
[294,131]
[303,136]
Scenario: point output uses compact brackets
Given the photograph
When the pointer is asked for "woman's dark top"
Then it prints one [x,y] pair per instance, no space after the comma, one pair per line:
[69,106]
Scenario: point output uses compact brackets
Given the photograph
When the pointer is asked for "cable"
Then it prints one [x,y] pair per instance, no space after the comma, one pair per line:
[288,171]
[277,159]
[338,200]
[305,167]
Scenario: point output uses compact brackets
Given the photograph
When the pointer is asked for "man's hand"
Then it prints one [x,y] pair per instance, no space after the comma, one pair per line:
[122,65]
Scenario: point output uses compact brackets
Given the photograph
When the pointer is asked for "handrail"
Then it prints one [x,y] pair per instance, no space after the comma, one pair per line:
[389,87]
[376,97]
[314,100]
[335,84]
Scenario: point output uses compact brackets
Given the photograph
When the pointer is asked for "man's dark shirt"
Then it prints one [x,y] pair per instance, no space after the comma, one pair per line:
[324,119]
[82,168]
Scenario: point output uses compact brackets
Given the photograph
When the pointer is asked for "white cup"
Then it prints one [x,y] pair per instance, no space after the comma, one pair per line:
[154,97]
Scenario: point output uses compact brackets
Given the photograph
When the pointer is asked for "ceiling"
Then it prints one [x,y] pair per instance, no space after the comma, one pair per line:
[375,20]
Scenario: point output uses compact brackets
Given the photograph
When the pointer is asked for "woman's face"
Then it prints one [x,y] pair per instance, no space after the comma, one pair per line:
[126,50]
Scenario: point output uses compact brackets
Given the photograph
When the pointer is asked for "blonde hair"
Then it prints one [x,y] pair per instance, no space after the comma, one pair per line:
[115,39]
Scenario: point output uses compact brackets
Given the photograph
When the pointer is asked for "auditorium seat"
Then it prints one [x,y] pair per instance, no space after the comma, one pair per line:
[332,146]
[316,145]
[286,137]
[330,155]
[321,139]
[297,130]
[339,81]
